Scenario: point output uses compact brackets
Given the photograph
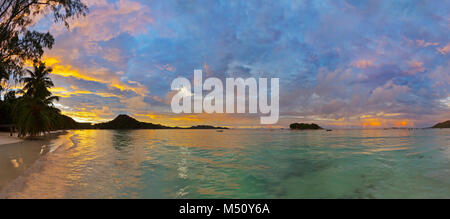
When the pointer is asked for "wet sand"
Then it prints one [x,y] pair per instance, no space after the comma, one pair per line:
[6,139]
[17,155]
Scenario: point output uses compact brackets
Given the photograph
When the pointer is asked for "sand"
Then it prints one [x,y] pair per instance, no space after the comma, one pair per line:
[17,155]
[6,139]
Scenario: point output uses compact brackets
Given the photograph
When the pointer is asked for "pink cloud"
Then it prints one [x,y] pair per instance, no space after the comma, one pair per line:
[167,67]
[415,66]
[423,43]
[444,50]
[363,63]
[107,20]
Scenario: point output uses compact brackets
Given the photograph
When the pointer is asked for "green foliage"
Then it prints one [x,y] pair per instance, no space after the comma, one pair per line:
[34,116]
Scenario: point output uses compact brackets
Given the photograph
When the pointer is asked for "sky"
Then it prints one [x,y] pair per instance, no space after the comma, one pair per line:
[341,63]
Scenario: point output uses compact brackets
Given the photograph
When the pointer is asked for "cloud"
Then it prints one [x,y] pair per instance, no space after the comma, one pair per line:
[415,67]
[444,50]
[63,92]
[107,20]
[336,60]
[99,75]
[422,43]
[363,64]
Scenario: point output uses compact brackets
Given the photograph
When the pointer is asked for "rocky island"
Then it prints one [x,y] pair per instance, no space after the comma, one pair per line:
[304,126]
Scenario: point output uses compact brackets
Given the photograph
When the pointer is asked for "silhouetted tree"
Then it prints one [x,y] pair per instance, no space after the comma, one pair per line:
[38,82]
[6,107]
[18,44]
[34,112]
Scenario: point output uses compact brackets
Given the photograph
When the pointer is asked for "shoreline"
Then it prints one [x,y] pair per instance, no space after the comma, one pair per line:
[5,138]
[18,160]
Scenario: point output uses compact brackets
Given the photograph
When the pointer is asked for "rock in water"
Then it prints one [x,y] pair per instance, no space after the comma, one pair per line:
[304,126]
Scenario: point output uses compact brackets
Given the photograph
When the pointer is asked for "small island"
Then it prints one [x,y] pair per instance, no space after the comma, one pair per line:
[304,126]
[206,127]
[442,125]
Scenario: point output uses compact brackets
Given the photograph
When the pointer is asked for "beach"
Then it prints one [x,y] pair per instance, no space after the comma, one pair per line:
[5,138]
[17,156]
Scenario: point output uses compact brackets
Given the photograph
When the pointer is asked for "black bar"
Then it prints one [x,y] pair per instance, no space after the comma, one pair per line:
[169,208]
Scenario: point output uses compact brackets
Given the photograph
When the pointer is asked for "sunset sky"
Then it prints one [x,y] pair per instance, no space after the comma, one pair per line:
[350,64]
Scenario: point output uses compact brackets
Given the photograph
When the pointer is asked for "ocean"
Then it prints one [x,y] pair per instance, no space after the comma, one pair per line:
[396,163]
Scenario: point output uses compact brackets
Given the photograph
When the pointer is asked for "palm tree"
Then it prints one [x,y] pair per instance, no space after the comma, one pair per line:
[38,83]
[34,112]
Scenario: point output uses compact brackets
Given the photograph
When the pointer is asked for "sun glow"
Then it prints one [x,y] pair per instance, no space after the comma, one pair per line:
[372,122]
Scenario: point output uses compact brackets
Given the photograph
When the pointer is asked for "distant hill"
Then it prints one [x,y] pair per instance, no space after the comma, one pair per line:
[123,122]
[441,125]
[127,122]
[304,126]
[69,123]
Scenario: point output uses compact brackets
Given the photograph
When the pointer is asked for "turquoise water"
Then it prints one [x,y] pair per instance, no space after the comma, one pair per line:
[242,164]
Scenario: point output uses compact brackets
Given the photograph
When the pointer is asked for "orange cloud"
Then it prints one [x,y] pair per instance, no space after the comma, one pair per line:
[149,115]
[87,113]
[372,122]
[83,116]
[363,64]
[50,61]
[104,111]
[99,76]
[185,118]
[62,92]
